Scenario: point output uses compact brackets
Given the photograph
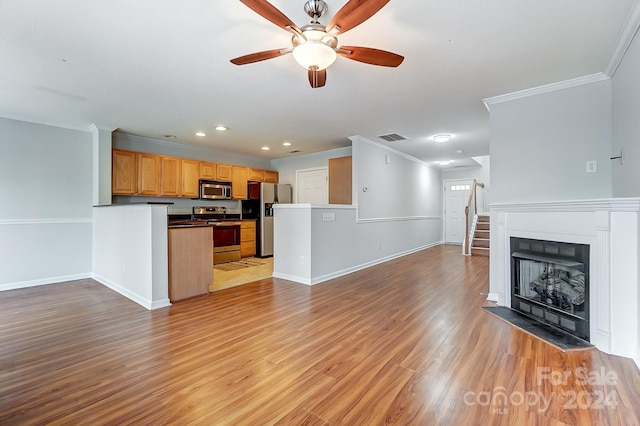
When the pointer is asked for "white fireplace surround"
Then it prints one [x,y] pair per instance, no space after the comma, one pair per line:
[610,227]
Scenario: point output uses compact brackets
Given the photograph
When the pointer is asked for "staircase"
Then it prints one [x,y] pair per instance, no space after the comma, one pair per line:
[480,246]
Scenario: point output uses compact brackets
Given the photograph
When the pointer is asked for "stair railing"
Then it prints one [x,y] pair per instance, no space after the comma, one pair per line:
[470,225]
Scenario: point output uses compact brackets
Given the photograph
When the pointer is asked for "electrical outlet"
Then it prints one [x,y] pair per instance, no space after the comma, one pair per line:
[328,217]
[592,166]
[302,260]
[379,245]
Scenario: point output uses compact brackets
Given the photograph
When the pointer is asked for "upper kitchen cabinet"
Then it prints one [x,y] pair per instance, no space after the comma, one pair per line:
[190,178]
[139,173]
[239,182]
[224,172]
[256,175]
[148,174]
[271,176]
[171,182]
[135,173]
[208,171]
[340,180]
[124,173]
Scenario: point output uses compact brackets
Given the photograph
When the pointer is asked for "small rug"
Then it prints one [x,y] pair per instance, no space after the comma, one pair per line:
[240,264]
[552,335]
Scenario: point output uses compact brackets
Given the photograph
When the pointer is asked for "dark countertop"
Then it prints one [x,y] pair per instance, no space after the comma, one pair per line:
[190,225]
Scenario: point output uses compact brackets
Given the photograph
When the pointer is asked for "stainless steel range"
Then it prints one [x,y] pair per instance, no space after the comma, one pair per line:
[226,232]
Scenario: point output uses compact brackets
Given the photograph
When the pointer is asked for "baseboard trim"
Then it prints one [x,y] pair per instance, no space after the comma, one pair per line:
[294,278]
[44,281]
[366,265]
[347,271]
[492,297]
[142,301]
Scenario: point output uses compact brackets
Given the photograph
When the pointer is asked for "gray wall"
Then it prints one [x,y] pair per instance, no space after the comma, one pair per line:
[389,184]
[540,145]
[626,123]
[46,194]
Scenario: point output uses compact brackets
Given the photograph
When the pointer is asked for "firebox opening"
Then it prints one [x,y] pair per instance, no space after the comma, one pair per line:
[550,283]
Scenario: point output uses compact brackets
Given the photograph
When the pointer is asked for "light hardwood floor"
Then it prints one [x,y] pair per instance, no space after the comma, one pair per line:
[226,279]
[400,343]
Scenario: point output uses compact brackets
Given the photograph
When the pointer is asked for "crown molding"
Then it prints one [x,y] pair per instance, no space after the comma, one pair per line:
[627,34]
[95,127]
[32,120]
[547,88]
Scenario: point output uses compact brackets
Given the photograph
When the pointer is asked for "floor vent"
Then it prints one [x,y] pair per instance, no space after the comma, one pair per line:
[393,137]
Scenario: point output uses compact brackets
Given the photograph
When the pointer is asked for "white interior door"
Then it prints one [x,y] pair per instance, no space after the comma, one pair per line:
[312,186]
[456,195]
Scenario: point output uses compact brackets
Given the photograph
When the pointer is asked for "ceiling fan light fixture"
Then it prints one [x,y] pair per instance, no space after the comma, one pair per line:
[314,55]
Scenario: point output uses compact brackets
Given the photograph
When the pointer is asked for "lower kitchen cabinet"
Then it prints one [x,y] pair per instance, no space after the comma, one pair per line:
[190,262]
[248,238]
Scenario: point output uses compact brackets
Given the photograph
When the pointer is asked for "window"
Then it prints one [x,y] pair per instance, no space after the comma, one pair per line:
[460,187]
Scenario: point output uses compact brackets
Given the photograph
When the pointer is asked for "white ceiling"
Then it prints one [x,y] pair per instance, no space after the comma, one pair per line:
[158,67]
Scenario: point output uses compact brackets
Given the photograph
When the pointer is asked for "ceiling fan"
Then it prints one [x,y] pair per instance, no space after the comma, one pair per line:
[314,46]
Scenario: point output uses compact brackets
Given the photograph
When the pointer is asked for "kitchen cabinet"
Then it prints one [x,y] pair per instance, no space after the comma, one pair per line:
[124,179]
[190,262]
[138,173]
[171,177]
[271,176]
[256,175]
[148,174]
[340,180]
[248,238]
[239,181]
[135,173]
[223,172]
[207,171]
[190,178]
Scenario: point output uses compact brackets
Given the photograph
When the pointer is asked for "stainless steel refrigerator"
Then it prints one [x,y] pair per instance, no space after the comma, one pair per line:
[270,194]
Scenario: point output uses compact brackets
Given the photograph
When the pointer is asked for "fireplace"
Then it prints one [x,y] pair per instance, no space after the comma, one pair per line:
[550,283]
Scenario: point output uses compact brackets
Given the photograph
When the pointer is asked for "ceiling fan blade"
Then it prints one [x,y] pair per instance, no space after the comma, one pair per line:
[317,78]
[354,13]
[271,13]
[370,56]
[259,56]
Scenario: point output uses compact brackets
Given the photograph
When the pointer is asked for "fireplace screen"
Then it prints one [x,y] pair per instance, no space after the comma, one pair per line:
[550,282]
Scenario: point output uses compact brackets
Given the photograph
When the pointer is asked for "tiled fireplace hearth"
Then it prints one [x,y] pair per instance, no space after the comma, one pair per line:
[607,230]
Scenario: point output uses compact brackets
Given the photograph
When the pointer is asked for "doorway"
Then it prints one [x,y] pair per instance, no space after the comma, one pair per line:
[456,195]
[312,186]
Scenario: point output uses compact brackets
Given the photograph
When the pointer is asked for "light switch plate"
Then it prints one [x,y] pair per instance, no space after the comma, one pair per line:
[592,166]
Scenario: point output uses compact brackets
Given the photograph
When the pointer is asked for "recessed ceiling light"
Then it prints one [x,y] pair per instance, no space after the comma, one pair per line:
[222,128]
[444,163]
[265,148]
[201,134]
[459,151]
[441,138]
[170,136]
[286,143]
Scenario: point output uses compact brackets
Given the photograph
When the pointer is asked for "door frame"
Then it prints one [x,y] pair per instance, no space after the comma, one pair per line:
[312,169]
[446,182]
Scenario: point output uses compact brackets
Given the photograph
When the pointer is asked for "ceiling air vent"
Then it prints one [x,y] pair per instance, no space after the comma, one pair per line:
[392,137]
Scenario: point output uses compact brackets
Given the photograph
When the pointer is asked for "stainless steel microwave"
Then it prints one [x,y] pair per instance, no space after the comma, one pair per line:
[210,190]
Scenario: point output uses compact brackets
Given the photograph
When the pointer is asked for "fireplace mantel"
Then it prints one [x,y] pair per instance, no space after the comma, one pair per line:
[610,227]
